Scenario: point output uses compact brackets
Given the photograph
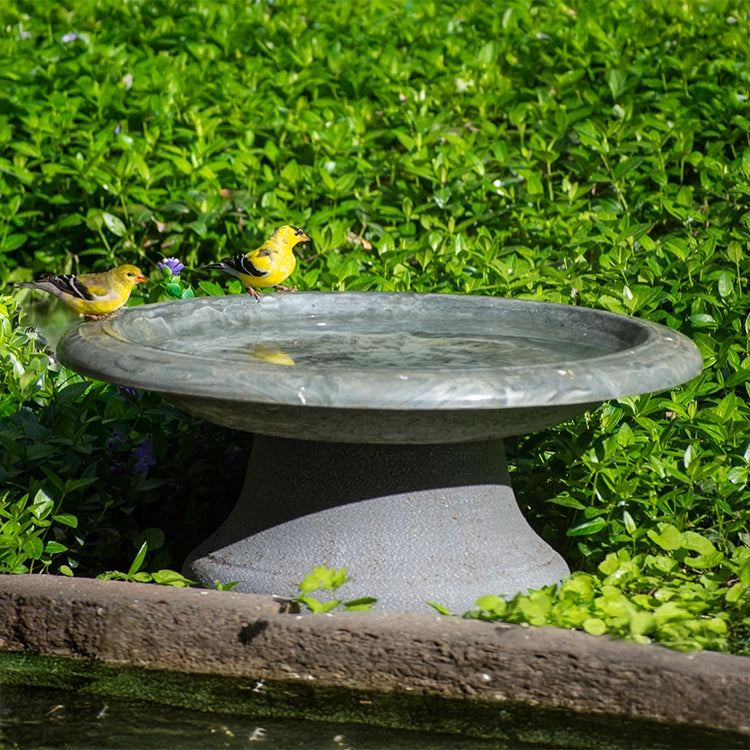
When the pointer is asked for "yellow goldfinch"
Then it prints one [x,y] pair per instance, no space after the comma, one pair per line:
[93,295]
[268,265]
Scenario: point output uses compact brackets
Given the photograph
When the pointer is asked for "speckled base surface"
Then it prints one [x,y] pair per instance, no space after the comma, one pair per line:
[412,524]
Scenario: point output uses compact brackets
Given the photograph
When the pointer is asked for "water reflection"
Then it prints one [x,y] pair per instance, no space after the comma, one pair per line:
[42,718]
[271,354]
[344,348]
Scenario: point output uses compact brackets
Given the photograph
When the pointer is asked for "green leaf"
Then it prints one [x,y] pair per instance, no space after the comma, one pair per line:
[12,242]
[323,577]
[736,593]
[641,623]
[610,564]
[34,547]
[685,196]
[491,603]
[43,505]
[670,611]
[316,606]
[579,587]
[725,284]
[225,586]
[594,526]
[361,604]
[534,184]
[66,519]
[211,288]
[114,224]
[567,501]
[734,252]
[535,610]
[595,626]
[702,320]
[708,556]
[689,456]
[616,82]
[630,525]
[668,537]
[138,560]
[693,541]
[76,484]
[440,608]
[171,578]
[153,537]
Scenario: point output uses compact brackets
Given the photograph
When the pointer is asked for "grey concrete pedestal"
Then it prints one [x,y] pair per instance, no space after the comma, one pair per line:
[412,523]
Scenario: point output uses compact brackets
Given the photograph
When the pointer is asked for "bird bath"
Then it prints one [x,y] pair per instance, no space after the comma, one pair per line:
[379,422]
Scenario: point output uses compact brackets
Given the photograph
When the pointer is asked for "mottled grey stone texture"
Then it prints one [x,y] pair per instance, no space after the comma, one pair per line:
[379,367]
[498,666]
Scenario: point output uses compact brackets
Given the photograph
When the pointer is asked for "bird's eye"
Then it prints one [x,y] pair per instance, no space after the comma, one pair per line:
[130,273]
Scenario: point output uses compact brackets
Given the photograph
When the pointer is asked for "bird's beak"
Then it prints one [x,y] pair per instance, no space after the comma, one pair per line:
[304,238]
[140,279]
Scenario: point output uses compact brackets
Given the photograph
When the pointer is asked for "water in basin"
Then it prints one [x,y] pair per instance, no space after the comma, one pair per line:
[366,345]
[434,367]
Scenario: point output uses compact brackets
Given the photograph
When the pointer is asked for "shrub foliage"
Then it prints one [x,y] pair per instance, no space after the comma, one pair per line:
[590,153]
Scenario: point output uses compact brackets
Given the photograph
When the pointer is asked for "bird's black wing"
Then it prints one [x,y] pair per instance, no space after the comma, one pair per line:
[243,264]
[70,284]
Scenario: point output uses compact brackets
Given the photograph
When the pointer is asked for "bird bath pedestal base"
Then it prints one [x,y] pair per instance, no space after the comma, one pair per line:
[403,401]
[412,524]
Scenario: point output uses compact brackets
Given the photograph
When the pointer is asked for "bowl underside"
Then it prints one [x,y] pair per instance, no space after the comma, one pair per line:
[380,367]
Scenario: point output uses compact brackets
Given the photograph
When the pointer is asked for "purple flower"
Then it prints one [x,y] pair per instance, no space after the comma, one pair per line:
[71,36]
[24,35]
[112,443]
[126,390]
[143,458]
[117,129]
[173,264]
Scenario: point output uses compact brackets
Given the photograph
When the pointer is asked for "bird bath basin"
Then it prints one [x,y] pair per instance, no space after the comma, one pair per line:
[379,422]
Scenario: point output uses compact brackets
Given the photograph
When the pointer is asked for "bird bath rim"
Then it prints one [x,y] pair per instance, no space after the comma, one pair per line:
[140,347]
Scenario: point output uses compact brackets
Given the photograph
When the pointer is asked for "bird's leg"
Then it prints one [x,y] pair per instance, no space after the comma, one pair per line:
[280,288]
[101,317]
[253,291]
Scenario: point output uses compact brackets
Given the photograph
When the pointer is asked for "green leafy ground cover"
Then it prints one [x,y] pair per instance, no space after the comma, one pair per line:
[590,153]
